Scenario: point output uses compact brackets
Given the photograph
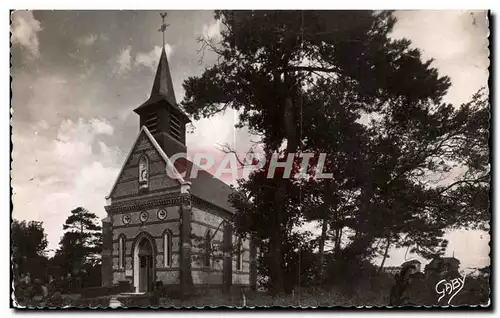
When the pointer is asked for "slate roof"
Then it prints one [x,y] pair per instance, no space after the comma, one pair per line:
[207,187]
[163,89]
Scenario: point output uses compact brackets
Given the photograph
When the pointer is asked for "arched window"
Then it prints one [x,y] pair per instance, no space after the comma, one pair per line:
[143,172]
[239,255]
[121,251]
[207,248]
[167,248]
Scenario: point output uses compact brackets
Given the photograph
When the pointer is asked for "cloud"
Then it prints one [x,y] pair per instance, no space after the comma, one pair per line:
[124,61]
[459,47]
[64,147]
[90,39]
[87,40]
[212,30]
[63,173]
[25,30]
[101,127]
[30,91]
[103,37]
[53,96]
[41,125]
[150,59]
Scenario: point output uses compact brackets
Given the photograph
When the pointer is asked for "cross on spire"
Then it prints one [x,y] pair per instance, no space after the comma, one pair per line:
[163,27]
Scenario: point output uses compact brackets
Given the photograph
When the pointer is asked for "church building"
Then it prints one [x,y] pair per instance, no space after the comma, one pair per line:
[172,230]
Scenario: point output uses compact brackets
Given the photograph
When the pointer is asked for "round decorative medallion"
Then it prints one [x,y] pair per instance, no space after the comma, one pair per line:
[144,216]
[162,214]
[126,219]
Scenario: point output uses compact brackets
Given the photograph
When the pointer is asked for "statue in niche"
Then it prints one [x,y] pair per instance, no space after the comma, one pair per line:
[143,172]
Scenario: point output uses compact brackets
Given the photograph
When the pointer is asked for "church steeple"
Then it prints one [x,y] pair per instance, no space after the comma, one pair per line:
[160,113]
[162,85]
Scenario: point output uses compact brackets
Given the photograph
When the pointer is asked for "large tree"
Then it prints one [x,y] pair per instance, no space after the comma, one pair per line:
[304,80]
[424,170]
[29,242]
[417,148]
[81,243]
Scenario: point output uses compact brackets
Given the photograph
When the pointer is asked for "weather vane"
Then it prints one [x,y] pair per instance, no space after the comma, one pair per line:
[164,26]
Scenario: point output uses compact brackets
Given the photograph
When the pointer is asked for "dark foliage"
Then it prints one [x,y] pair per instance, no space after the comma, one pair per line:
[80,245]
[311,79]
[28,241]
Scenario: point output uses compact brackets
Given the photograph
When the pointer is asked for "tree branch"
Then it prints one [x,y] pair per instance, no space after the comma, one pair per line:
[457,183]
[312,69]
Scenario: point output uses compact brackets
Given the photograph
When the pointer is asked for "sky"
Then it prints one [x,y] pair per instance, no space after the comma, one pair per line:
[78,75]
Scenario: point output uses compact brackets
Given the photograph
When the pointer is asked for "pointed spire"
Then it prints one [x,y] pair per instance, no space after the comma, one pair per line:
[162,85]
[163,89]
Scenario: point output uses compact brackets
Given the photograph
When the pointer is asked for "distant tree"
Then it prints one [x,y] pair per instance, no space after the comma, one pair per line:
[485,271]
[29,242]
[81,243]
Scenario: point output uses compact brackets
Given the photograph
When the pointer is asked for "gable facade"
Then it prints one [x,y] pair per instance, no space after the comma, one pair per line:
[161,227]
[156,229]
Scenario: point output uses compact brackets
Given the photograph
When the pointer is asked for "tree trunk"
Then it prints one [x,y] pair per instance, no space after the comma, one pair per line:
[81,234]
[385,255]
[338,240]
[324,226]
[290,129]
[322,240]
[276,272]
[280,196]
[363,237]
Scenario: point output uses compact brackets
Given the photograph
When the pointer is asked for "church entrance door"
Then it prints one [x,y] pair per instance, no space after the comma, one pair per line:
[143,271]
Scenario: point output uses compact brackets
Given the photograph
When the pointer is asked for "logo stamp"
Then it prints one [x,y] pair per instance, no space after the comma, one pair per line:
[452,287]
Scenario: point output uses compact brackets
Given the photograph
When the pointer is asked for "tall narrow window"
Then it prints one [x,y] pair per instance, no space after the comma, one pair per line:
[151,122]
[208,248]
[239,255]
[143,172]
[175,126]
[167,248]
[121,250]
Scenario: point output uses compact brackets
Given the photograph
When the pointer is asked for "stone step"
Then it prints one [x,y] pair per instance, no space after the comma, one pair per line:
[115,303]
[119,300]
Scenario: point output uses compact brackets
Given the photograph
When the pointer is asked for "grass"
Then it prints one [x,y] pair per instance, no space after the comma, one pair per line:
[304,298]
[373,293]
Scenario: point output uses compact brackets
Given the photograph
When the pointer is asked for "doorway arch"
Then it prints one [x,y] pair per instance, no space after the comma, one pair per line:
[144,257]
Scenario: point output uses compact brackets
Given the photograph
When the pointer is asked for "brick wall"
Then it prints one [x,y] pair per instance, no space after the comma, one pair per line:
[128,181]
[154,227]
[201,222]
[127,190]
[168,277]
[107,258]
